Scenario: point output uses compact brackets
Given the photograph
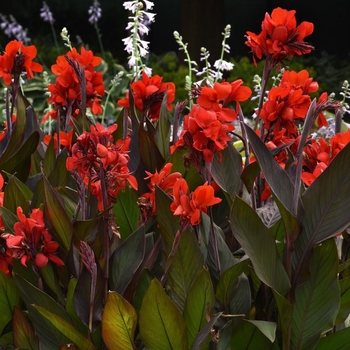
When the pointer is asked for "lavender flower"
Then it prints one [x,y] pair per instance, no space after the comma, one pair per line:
[13,29]
[46,14]
[95,12]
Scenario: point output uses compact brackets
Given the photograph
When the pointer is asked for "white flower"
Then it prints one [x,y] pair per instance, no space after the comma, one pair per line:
[149,4]
[223,65]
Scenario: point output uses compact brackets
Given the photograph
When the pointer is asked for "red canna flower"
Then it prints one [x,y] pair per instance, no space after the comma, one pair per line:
[148,95]
[280,37]
[207,125]
[65,139]
[95,155]
[189,205]
[32,240]
[165,180]
[16,59]
[66,92]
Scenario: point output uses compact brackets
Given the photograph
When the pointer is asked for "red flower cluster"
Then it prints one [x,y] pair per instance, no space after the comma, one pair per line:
[280,37]
[207,125]
[165,180]
[32,240]
[16,59]
[287,102]
[65,139]
[189,205]
[148,95]
[318,154]
[96,156]
[66,92]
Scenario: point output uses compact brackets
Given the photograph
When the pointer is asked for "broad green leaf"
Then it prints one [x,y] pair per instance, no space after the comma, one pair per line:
[8,218]
[163,129]
[206,246]
[162,327]
[57,217]
[14,197]
[125,260]
[227,285]
[185,266]
[316,300]
[248,336]
[50,158]
[82,297]
[199,303]
[86,230]
[285,312]
[50,277]
[126,212]
[249,175]
[259,244]
[227,173]
[344,309]
[66,329]
[335,341]
[49,336]
[266,328]
[70,306]
[119,322]
[168,223]
[60,176]
[19,163]
[149,152]
[9,298]
[327,204]
[23,332]
[144,282]
[276,177]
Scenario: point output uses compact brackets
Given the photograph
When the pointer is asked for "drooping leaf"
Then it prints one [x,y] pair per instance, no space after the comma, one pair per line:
[119,322]
[50,158]
[228,281]
[316,300]
[199,303]
[227,173]
[9,299]
[60,176]
[57,216]
[23,332]
[126,259]
[161,324]
[266,328]
[66,329]
[185,266]
[326,204]
[259,244]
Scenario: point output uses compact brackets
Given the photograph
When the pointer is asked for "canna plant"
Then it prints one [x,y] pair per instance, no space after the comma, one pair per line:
[175,227]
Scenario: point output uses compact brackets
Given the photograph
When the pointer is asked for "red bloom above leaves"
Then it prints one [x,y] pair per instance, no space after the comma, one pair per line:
[66,93]
[17,59]
[280,37]
[148,95]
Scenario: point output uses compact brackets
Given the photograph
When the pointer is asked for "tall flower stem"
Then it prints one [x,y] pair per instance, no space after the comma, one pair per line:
[100,41]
